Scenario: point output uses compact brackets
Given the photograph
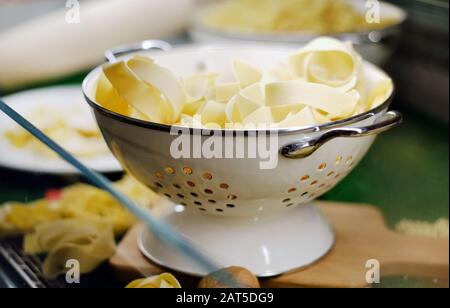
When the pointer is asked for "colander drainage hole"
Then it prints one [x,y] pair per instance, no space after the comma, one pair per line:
[170,170]
[190,183]
[304,178]
[187,170]
[231,197]
[322,167]
[207,176]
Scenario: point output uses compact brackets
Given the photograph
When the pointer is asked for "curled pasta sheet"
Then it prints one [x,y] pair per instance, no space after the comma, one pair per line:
[245,102]
[327,61]
[245,74]
[163,80]
[88,242]
[324,81]
[196,86]
[142,97]
[163,281]
[313,95]
[107,95]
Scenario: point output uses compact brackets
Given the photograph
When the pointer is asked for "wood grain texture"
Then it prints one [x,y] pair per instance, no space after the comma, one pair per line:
[361,235]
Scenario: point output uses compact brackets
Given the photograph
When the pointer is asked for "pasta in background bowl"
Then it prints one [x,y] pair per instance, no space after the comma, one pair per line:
[299,21]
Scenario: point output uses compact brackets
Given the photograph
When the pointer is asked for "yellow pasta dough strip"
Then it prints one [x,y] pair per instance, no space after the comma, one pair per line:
[245,102]
[141,96]
[225,91]
[107,95]
[213,112]
[164,280]
[318,96]
[195,87]
[303,118]
[88,242]
[327,61]
[280,112]
[162,79]
[192,107]
[381,93]
[245,74]
[262,116]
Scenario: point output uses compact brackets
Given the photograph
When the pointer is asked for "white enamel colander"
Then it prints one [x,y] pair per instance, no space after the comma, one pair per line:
[238,213]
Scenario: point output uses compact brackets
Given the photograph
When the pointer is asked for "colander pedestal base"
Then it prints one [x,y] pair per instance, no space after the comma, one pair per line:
[267,246]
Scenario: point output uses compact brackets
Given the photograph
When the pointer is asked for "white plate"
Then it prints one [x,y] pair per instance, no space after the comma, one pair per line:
[26,160]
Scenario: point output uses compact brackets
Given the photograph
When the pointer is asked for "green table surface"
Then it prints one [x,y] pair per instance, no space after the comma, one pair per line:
[405,174]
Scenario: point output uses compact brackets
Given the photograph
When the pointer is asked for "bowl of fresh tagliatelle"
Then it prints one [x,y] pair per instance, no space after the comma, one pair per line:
[373,26]
[242,140]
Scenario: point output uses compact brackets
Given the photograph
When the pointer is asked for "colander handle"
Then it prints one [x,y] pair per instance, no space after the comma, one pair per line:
[306,148]
[112,54]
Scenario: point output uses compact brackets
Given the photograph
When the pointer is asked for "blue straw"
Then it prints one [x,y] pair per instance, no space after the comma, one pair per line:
[159,228]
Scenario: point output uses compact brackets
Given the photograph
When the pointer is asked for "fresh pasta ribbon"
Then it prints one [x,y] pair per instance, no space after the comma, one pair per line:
[324,81]
[142,97]
[88,242]
[163,80]
[327,61]
[107,95]
[163,281]
[245,74]
[311,94]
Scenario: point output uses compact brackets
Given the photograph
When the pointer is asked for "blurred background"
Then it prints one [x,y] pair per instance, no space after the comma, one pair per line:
[47,43]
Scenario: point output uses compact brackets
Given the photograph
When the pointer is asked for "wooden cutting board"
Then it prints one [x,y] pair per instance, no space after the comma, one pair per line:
[361,236]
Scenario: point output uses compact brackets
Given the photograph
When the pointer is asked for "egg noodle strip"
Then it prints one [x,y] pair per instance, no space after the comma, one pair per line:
[163,281]
[320,83]
[88,242]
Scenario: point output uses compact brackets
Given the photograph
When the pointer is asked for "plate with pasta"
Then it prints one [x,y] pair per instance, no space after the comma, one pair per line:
[61,114]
